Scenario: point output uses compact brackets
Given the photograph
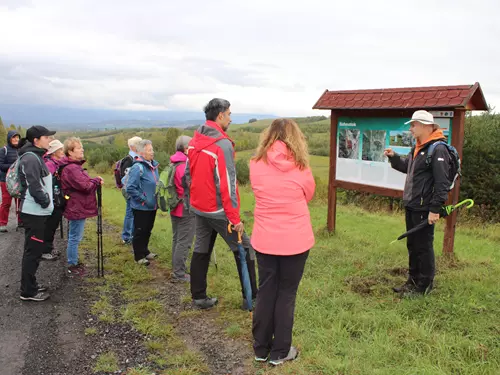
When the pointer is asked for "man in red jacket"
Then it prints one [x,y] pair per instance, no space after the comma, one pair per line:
[214,198]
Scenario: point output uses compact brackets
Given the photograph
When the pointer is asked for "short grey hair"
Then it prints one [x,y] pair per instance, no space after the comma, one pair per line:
[182,143]
[141,146]
[132,142]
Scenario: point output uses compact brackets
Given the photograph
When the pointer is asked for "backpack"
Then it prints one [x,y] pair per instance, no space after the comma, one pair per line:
[124,181]
[12,179]
[59,196]
[455,171]
[168,199]
[118,173]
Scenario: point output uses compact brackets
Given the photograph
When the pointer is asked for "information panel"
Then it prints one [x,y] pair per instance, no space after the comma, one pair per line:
[360,148]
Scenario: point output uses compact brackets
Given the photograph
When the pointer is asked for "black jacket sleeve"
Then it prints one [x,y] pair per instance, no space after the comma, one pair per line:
[32,169]
[4,166]
[440,164]
[400,163]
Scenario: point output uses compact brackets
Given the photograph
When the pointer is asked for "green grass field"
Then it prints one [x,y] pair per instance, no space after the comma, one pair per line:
[348,321]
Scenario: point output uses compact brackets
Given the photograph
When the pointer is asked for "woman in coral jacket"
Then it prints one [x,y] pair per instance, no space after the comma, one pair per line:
[282,235]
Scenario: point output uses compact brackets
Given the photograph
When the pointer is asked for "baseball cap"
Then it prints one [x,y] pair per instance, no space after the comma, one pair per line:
[37,132]
[54,146]
[422,116]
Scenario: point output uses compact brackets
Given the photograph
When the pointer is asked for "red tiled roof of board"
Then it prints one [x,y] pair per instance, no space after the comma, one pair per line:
[464,96]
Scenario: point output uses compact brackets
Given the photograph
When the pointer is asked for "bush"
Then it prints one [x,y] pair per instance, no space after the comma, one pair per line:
[252,120]
[102,167]
[242,172]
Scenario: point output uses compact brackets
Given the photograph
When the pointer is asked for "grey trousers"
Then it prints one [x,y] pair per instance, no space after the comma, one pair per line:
[204,227]
[183,234]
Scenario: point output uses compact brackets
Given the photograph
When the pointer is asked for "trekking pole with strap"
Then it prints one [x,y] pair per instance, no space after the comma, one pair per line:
[445,211]
[100,254]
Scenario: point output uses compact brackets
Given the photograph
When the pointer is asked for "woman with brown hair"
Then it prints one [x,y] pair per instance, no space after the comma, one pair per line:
[282,235]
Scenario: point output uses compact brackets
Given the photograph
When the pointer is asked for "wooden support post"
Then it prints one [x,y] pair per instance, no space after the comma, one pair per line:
[457,140]
[332,189]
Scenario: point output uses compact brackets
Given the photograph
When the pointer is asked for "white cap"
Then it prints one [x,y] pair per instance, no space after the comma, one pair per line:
[422,116]
[54,146]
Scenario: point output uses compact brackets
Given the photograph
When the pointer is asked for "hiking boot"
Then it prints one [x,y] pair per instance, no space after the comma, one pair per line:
[3,229]
[151,256]
[184,279]
[261,359]
[126,242]
[417,291]
[205,303]
[49,257]
[292,354]
[407,286]
[41,288]
[143,262]
[39,297]
[76,270]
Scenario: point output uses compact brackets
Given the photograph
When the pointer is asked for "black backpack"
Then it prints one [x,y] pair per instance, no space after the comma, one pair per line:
[59,197]
[455,171]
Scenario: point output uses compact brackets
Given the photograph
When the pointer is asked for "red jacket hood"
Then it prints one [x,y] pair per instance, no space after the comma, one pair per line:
[201,141]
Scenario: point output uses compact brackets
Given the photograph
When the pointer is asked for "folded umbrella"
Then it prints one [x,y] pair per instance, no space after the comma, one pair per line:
[445,211]
[245,276]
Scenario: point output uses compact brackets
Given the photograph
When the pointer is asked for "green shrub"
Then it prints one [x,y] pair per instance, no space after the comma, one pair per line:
[102,167]
[242,172]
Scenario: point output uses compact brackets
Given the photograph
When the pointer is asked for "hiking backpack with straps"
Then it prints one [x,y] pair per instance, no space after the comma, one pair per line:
[12,180]
[455,171]
[168,199]
[124,180]
[119,173]
[59,197]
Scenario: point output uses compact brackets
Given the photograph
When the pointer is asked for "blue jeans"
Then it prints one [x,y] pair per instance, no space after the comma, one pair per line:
[128,224]
[76,228]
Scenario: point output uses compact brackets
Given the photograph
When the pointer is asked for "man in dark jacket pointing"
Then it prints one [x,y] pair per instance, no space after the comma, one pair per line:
[425,192]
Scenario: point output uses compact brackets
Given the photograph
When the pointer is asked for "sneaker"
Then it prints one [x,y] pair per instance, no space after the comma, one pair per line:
[151,256]
[205,303]
[3,229]
[292,354]
[184,279]
[407,286]
[261,359]
[41,288]
[48,256]
[143,261]
[37,297]
[76,270]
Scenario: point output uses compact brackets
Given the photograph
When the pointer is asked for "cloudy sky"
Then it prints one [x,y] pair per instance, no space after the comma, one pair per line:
[265,56]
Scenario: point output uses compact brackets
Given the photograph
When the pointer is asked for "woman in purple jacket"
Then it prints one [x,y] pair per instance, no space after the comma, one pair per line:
[82,202]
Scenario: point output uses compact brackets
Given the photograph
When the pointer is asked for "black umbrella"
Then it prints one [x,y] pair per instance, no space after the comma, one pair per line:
[445,211]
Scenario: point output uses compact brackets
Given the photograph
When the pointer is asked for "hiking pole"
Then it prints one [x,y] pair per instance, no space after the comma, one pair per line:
[445,211]
[61,228]
[245,276]
[100,254]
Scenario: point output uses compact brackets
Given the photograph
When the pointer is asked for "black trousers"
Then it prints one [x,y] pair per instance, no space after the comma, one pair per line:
[420,250]
[51,226]
[144,222]
[279,278]
[34,229]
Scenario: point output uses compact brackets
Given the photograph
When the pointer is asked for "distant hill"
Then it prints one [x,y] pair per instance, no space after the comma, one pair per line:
[88,119]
